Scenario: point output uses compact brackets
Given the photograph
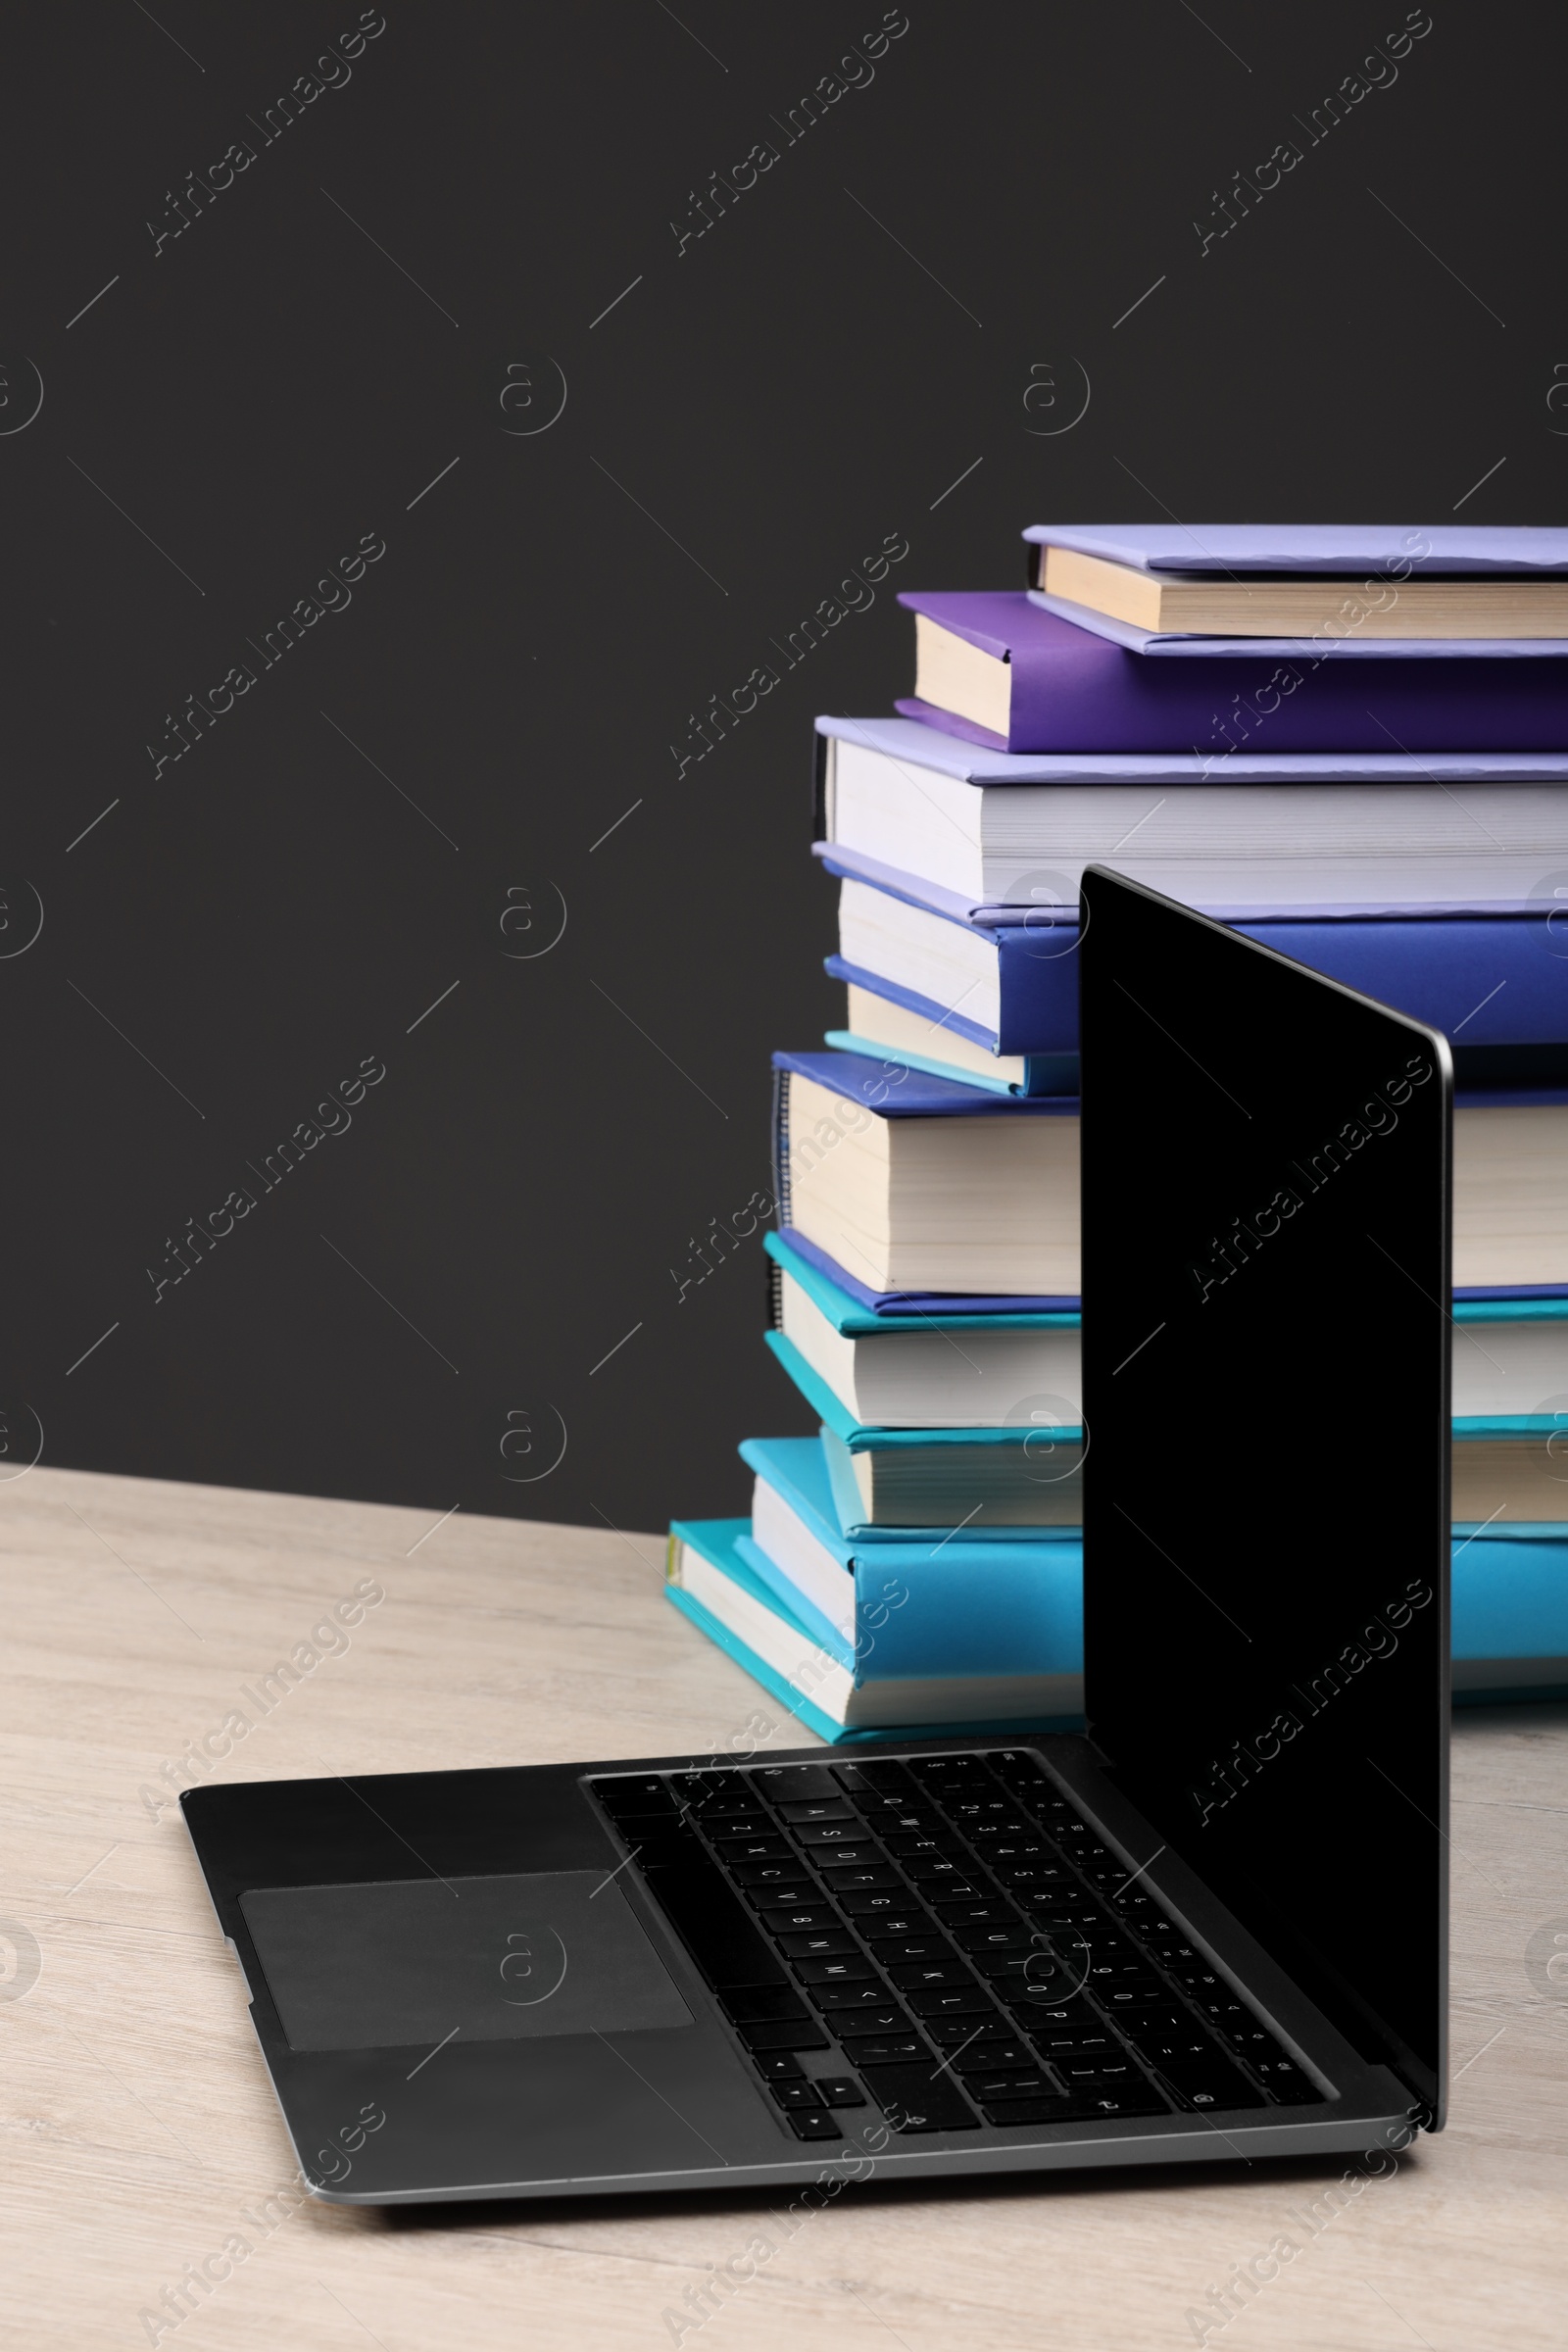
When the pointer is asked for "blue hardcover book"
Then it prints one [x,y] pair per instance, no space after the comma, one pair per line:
[859,1144]
[710,1580]
[996,1002]
[1368,565]
[854,1311]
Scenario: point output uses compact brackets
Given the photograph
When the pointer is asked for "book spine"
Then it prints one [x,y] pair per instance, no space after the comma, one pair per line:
[822,746]
[781,1146]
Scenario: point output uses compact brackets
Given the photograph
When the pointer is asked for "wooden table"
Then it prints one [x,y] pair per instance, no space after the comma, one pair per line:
[142,2134]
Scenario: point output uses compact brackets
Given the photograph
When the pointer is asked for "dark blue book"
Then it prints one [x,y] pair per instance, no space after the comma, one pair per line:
[990,997]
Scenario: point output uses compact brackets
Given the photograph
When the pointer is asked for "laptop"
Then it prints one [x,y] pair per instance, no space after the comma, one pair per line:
[1214,1925]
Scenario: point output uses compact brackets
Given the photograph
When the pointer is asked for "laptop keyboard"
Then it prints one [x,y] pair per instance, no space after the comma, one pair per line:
[945,1939]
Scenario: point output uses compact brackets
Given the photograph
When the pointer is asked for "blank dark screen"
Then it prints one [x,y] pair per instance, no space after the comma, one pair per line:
[1266,1279]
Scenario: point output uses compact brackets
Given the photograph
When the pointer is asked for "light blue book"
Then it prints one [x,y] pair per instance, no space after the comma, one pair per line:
[712,1583]
[1510,1585]
[892,1607]
[1018,1480]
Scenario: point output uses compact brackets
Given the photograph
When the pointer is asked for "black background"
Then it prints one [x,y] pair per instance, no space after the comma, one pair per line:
[754,416]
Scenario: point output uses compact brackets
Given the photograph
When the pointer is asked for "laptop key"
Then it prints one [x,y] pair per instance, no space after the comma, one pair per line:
[983,2028]
[1254,2043]
[635,1792]
[805,1810]
[761,2004]
[890,1780]
[1215,2085]
[769,1847]
[796,2094]
[1086,2044]
[702,1788]
[822,1945]
[718,1931]
[1090,2076]
[885,2050]
[886,1926]
[1010,2083]
[781,1919]
[778,2066]
[861,1877]
[908,1947]
[796,1781]
[788,1875]
[976,1912]
[930,1976]
[838,1969]
[982,2056]
[1076,2110]
[950,1772]
[837,1997]
[995,1936]
[840,2090]
[814,2123]
[1285,2082]
[877,1902]
[790,2034]
[1140,2098]
[887,2019]
[849,1831]
[915,2098]
[1050,2107]
[953,2001]
[883,1819]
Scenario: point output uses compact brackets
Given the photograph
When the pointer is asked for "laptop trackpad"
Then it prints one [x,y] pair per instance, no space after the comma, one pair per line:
[493,1959]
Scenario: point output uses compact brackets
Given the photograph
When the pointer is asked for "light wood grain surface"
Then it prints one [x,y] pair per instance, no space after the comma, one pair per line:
[141,2134]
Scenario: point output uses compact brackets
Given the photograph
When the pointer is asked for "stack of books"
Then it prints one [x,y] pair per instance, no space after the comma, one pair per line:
[1350,744]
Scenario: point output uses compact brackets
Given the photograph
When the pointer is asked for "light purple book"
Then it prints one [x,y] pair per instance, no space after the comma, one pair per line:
[1083,689]
[1389,551]
[1334,547]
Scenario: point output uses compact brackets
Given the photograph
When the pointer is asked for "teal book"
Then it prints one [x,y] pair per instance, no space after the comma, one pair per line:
[892,1608]
[1018,1479]
[709,1580]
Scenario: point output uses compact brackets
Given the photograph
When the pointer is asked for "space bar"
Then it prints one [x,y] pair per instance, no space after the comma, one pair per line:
[710,1922]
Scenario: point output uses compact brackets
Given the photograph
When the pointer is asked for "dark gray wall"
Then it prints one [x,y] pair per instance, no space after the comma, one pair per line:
[364,341]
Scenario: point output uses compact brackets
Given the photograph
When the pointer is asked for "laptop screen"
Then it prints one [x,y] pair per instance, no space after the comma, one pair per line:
[1267,1338]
